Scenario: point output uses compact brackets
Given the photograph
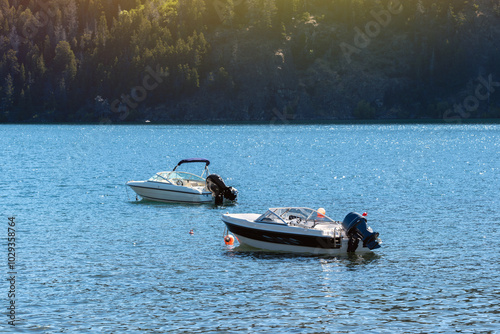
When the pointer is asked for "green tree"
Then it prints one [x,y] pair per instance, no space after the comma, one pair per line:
[64,64]
[8,94]
[102,30]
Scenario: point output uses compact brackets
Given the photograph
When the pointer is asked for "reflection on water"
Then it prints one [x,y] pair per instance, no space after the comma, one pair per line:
[348,259]
[143,201]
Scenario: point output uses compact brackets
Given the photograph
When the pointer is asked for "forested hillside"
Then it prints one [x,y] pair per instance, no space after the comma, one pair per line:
[248,60]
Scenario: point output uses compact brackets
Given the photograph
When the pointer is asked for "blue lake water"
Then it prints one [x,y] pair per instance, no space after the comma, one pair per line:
[90,258]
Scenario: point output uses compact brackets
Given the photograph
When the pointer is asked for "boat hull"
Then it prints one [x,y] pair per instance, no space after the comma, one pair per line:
[170,193]
[288,239]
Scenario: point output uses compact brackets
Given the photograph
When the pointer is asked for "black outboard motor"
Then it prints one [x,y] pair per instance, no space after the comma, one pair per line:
[219,189]
[356,228]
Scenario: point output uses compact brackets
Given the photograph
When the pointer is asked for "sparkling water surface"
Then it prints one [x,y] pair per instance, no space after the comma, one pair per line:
[92,259]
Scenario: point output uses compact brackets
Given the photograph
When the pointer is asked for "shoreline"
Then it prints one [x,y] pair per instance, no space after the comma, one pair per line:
[281,123]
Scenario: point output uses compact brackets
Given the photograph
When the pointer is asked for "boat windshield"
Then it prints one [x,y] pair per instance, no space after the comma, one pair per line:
[282,215]
[168,176]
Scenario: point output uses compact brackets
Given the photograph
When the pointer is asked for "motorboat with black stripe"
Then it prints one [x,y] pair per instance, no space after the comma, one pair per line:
[183,187]
[302,230]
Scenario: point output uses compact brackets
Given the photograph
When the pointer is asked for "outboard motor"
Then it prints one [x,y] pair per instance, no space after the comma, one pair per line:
[219,189]
[356,229]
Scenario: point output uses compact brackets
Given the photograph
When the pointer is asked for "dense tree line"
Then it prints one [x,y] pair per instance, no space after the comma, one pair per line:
[87,60]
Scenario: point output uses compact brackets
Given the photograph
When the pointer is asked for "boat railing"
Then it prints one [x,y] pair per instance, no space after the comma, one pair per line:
[336,236]
[205,170]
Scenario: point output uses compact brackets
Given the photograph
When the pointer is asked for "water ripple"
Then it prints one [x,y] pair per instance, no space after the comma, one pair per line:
[92,259]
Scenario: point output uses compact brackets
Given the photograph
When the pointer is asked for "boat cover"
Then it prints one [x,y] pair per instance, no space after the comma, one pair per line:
[185,161]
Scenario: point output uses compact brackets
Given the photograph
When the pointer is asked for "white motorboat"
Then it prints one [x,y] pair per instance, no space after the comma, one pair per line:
[302,230]
[184,187]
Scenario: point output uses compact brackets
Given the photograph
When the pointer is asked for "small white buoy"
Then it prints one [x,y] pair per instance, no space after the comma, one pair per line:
[191,232]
